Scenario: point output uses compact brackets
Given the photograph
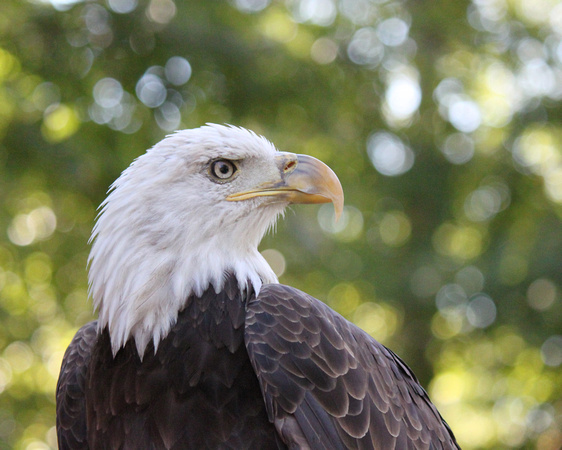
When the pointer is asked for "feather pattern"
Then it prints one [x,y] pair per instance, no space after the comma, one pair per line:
[341,387]
[71,387]
[230,374]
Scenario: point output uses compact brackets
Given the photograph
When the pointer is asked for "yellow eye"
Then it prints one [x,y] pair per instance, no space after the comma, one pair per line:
[223,169]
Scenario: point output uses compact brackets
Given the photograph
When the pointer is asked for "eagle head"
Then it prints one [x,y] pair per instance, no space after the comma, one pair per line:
[191,209]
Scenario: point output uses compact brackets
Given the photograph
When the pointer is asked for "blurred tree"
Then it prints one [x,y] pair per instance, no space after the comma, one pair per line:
[442,120]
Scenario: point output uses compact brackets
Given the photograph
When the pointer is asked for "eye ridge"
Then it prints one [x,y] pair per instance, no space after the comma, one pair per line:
[223,169]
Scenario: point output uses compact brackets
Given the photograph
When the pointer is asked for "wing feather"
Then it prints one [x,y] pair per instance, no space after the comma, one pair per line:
[328,384]
[71,412]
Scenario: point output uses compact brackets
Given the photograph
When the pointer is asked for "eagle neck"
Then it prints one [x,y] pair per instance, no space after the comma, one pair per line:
[148,313]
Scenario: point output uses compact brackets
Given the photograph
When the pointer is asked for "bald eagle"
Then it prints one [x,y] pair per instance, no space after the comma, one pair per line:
[197,345]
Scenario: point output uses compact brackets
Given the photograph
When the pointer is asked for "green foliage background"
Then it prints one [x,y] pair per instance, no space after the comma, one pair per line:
[450,249]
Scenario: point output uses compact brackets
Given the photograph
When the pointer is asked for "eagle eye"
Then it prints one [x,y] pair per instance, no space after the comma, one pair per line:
[223,169]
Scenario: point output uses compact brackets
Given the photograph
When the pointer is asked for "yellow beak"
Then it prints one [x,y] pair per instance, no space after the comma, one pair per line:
[303,179]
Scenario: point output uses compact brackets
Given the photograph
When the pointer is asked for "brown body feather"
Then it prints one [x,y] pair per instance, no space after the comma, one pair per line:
[280,370]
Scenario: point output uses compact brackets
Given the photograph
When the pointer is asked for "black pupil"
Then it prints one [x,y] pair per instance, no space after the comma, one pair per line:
[223,169]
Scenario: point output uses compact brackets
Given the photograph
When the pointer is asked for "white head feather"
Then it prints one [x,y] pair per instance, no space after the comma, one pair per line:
[166,231]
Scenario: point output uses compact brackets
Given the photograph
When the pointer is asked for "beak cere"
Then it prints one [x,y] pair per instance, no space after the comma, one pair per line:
[303,179]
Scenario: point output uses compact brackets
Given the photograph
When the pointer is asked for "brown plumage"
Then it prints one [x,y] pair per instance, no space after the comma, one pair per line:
[280,370]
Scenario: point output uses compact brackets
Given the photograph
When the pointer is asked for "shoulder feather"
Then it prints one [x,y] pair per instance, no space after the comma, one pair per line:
[328,383]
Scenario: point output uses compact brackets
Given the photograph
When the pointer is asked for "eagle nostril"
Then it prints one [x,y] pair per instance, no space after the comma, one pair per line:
[290,166]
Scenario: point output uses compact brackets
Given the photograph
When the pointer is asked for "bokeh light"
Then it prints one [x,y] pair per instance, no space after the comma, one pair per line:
[395,228]
[365,47]
[485,202]
[481,311]
[378,319]
[151,90]
[318,12]
[108,92]
[460,242]
[388,154]
[276,260]
[347,228]
[251,6]
[458,148]
[324,51]
[122,6]
[177,70]
[542,294]
[161,11]
[551,351]
[464,114]
[393,31]
[403,97]
[39,224]
[471,279]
